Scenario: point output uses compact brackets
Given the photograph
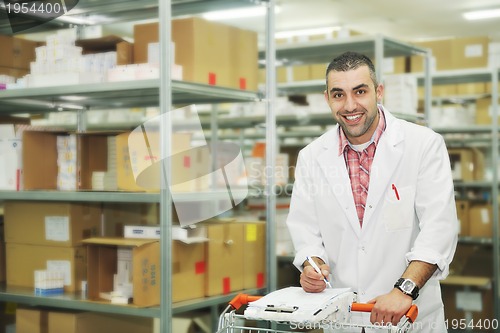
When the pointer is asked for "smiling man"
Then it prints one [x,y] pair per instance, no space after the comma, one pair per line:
[373,203]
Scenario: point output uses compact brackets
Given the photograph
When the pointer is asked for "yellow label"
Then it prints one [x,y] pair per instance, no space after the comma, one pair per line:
[251,233]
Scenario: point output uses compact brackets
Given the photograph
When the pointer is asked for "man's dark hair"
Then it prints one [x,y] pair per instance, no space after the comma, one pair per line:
[349,61]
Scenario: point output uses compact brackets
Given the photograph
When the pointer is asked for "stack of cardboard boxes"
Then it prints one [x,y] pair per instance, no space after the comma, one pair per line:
[47,236]
[67,237]
[209,52]
[16,55]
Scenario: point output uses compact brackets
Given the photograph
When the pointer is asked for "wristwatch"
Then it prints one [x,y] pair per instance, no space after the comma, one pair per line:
[408,287]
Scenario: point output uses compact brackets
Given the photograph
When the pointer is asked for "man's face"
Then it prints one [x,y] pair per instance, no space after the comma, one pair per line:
[352,97]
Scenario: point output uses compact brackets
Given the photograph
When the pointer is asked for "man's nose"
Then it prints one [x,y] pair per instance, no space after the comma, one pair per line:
[350,104]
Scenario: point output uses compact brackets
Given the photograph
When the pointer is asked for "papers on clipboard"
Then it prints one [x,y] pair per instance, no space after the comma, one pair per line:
[294,305]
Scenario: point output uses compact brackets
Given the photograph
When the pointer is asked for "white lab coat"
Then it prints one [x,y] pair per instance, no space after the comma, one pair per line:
[421,225]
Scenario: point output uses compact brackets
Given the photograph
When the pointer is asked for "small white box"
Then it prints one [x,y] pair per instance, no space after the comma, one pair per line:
[141,231]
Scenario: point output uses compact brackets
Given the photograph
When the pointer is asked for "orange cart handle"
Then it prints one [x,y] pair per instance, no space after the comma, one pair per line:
[242,299]
[411,314]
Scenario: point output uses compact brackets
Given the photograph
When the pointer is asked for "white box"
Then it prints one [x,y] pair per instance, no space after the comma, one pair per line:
[141,231]
[11,165]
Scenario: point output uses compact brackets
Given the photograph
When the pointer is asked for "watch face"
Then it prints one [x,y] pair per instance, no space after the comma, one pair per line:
[407,286]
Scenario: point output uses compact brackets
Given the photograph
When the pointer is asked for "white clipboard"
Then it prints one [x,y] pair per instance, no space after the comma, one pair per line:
[294,305]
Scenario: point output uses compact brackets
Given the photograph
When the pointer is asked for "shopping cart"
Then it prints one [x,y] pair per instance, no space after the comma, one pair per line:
[232,322]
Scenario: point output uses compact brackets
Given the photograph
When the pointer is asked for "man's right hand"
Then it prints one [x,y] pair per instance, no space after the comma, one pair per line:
[310,280]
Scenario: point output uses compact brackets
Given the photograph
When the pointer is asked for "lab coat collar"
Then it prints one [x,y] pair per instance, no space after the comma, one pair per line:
[387,158]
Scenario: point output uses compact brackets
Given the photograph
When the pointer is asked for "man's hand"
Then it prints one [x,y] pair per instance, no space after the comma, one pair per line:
[389,308]
[310,280]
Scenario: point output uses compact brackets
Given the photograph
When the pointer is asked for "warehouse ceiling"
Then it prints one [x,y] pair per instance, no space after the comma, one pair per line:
[407,20]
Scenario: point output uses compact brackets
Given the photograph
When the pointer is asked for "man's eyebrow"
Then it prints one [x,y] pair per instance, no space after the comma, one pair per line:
[362,85]
[336,89]
[359,86]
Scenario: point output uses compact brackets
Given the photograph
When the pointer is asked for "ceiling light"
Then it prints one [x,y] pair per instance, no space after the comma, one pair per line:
[230,14]
[482,14]
[72,98]
[306,32]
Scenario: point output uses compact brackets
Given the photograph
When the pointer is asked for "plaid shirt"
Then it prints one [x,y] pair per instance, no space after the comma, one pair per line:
[359,165]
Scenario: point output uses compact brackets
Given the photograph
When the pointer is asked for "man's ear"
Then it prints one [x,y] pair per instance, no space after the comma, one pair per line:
[380,93]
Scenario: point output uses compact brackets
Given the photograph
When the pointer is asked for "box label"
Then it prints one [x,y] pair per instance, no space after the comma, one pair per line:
[485,216]
[251,233]
[469,301]
[474,50]
[57,228]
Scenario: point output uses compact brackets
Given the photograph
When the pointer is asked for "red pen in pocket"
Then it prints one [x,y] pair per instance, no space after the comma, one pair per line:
[395,191]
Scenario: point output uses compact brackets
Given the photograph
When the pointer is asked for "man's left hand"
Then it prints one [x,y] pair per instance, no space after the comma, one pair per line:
[389,308]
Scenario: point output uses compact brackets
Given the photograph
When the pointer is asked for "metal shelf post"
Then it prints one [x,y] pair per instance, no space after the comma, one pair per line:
[494,192]
[271,88]
[165,96]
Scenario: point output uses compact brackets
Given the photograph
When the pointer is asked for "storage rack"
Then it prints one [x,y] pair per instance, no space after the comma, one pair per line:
[163,92]
[474,76]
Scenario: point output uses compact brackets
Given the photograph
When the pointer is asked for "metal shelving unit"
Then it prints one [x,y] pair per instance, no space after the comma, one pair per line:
[163,92]
[493,185]
[89,12]
[114,95]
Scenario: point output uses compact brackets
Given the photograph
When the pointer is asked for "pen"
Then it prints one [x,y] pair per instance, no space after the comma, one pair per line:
[395,191]
[316,268]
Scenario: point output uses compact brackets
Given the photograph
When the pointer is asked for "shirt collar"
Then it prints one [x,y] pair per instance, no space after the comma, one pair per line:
[344,142]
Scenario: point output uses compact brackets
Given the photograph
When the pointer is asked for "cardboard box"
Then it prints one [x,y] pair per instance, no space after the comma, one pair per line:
[467,164]
[102,261]
[457,53]
[471,88]
[40,156]
[225,264]
[484,112]
[15,72]
[37,320]
[480,220]
[24,259]
[317,71]
[31,320]
[202,48]
[462,301]
[441,53]
[463,217]
[254,255]
[470,52]
[117,215]
[245,58]
[86,322]
[16,52]
[59,224]
[188,269]
[124,50]
[3,264]
[300,73]
[143,172]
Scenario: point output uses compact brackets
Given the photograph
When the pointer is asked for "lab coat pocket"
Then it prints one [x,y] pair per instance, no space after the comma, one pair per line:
[399,208]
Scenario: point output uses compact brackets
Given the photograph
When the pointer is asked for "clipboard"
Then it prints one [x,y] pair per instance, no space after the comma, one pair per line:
[294,305]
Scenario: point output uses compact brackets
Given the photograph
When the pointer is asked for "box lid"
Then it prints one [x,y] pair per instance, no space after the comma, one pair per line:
[135,242]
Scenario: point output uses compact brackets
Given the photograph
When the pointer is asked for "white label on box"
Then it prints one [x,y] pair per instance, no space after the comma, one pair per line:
[388,65]
[485,217]
[57,228]
[474,50]
[62,266]
[469,301]
[490,112]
